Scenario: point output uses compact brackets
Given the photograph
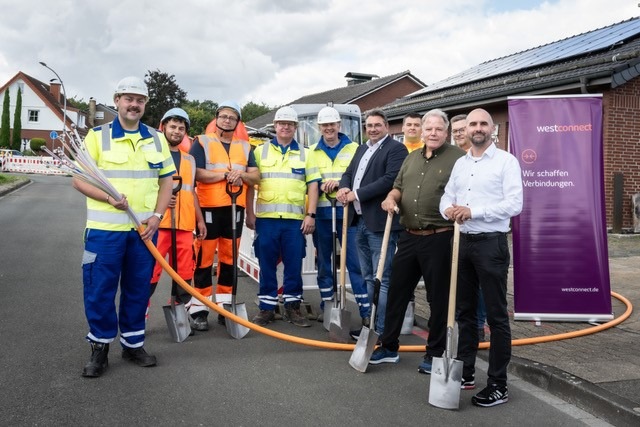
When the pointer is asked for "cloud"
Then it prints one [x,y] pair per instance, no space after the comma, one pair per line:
[276,51]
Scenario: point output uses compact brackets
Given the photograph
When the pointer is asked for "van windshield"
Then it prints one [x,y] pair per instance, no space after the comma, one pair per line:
[309,133]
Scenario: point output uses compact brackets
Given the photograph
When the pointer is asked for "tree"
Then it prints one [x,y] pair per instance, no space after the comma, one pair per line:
[78,103]
[164,93]
[200,114]
[253,110]
[16,135]
[37,144]
[5,126]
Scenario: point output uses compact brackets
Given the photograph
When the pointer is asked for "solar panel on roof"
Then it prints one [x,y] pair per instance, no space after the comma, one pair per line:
[581,44]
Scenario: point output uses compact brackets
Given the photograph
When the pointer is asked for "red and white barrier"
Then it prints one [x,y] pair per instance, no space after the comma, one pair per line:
[31,164]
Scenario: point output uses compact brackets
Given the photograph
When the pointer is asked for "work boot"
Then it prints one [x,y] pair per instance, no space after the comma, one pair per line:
[98,362]
[138,356]
[292,314]
[199,321]
[366,321]
[263,317]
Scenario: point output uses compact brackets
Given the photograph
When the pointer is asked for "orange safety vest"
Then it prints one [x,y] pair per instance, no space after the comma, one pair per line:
[212,195]
[185,209]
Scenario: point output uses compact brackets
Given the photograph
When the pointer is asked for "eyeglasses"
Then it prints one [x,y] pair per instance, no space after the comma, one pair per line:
[285,124]
[457,131]
[230,118]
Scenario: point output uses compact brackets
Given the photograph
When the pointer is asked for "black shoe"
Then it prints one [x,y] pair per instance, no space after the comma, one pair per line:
[138,356]
[355,334]
[199,321]
[98,362]
[264,317]
[491,395]
[481,336]
[292,314]
[222,320]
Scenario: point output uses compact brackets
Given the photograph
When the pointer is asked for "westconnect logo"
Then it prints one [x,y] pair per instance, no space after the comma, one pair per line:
[564,128]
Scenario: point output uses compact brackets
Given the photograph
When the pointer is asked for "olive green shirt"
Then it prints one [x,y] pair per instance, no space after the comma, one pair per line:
[421,182]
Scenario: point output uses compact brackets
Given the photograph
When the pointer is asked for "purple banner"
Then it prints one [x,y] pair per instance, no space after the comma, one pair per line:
[560,258]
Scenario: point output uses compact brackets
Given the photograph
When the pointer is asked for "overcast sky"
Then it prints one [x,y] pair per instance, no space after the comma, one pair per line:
[274,51]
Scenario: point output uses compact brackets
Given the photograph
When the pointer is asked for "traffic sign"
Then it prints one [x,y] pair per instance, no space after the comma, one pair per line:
[53,134]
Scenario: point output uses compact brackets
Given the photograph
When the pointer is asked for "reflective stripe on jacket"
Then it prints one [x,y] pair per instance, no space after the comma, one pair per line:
[284,179]
[217,159]
[132,162]
[185,210]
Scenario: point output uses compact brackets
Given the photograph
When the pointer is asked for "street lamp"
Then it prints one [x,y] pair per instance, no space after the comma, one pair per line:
[64,117]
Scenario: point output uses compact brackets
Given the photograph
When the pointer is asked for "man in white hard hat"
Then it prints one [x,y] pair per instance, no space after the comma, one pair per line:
[332,154]
[288,175]
[188,215]
[221,158]
[136,160]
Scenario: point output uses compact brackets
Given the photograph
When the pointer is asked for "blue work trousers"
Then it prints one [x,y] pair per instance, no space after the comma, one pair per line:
[113,258]
[279,239]
[369,248]
[323,241]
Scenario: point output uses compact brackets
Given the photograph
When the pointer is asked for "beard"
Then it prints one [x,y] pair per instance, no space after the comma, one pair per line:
[479,139]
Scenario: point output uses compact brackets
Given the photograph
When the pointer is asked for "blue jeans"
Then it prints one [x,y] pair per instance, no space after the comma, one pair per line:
[323,241]
[369,247]
[279,238]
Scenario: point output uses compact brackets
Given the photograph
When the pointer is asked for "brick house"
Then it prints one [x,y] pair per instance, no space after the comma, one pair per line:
[367,91]
[603,61]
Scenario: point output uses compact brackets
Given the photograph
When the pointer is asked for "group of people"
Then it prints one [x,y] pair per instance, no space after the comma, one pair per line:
[430,182]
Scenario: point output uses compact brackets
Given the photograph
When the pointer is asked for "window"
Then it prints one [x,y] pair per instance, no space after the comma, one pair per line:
[33,116]
[99,115]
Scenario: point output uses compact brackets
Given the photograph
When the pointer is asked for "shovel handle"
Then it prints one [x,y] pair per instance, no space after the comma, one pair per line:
[233,193]
[177,187]
[453,284]
[343,255]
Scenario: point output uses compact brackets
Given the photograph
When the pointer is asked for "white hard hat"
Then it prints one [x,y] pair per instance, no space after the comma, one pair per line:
[132,84]
[232,105]
[176,113]
[328,115]
[286,114]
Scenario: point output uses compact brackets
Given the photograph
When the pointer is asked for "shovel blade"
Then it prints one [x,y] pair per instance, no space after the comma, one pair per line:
[177,321]
[446,379]
[329,307]
[364,349]
[407,322]
[235,329]
[339,326]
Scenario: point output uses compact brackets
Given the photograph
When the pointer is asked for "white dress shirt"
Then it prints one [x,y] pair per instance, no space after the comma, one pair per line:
[362,166]
[491,186]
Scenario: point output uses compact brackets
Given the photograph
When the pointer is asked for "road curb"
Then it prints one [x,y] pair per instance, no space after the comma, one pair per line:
[6,189]
[585,395]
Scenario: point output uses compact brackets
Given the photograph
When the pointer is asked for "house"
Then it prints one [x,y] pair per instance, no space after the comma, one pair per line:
[42,109]
[365,90]
[603,61]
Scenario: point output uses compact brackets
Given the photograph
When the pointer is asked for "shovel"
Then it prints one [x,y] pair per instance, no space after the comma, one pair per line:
[446,372]
[326,320]
[340,316]
[176,314]
[368,336]
[234,329]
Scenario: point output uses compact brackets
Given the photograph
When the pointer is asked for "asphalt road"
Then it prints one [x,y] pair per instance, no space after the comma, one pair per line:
[210,379]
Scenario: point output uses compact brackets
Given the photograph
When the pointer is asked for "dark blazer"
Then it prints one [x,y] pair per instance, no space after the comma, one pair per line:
[376,183]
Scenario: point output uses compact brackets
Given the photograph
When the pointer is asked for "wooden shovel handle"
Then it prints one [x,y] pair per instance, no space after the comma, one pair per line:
[453,284]
[343,250]
[385,245]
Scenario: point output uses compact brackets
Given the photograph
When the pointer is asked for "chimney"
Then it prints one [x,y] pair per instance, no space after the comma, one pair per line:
[357,78]
[92,112]
[54,90]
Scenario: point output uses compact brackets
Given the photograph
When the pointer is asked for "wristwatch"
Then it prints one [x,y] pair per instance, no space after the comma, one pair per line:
[312,215]
[159,215]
